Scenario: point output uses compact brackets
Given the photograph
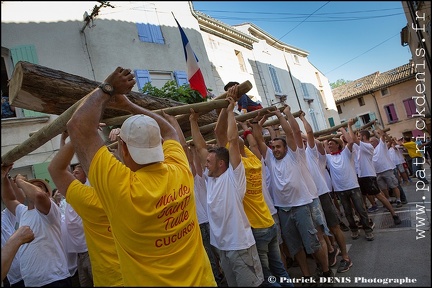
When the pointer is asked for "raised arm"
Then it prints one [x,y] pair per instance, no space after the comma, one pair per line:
[198,139]
[84,123]
[221,127]
[291,142]
[294,126]
[257,126]
[174,123]
[308,130]
[7,192]
[232,133]
[347,138]
[351,132]
[59,168]
[36,195]
[22,235]
[253,145]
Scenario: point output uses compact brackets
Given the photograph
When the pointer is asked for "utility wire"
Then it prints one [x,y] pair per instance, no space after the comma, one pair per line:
[362,53]
[300,23]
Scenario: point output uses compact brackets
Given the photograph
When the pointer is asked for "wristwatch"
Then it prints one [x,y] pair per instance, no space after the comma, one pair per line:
[107,88]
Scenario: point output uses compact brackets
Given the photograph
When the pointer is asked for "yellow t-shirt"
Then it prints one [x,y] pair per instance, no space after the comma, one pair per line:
[412,150]
[100,242]
[153,218]
[255,207]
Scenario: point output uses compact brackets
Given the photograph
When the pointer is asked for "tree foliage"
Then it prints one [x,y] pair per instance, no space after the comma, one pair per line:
[170,90]
[339,82]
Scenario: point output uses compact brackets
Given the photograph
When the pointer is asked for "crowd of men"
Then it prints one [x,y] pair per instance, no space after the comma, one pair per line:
[159,211]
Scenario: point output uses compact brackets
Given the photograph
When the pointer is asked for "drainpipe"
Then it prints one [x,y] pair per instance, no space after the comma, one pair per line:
[379,113]
[292,81]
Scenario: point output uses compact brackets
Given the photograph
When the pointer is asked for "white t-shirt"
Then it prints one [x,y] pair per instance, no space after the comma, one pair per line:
[229,225]
[76,240]
[267,197]
[8,222]
[43,260]
[342,171]
[306,173]
[365,166]
[396,156]
[200,198]
[72,258]
[381,158]
[312,160]
[287,183]
[322,161]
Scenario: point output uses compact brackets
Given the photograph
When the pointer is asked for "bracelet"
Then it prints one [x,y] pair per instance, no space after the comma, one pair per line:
[245,133]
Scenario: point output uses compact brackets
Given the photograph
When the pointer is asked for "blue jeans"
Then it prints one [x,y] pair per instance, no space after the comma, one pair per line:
[356,197]
[269,253]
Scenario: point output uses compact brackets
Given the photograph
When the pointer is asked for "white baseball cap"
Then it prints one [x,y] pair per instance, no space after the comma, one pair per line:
[142,136]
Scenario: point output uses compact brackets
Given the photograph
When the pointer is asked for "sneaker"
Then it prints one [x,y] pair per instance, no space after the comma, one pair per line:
[398,204]
[344,265]
[354,235]
[369,236]
[332,256]
[343,226]
[373,208]
[396,220]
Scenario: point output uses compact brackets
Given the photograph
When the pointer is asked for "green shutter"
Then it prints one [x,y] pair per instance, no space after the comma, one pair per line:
[26,53]
[40,171]
[331,121]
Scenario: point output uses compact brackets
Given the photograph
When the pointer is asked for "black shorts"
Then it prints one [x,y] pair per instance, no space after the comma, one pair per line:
[369,185]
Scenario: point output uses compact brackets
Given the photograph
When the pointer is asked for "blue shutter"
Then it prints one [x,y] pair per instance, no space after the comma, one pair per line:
[26,53]
[331,121]
[275,80]
[144,32]
[156,33]
[142,77]
[181,78]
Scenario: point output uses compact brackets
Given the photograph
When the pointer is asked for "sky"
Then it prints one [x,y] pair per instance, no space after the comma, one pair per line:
[345,39]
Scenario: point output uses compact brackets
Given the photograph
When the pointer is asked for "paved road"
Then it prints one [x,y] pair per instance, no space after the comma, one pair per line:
[398,253]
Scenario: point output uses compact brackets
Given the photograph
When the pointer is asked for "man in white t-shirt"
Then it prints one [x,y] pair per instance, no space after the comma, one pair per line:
[340,162]
[42,215]
[230,231]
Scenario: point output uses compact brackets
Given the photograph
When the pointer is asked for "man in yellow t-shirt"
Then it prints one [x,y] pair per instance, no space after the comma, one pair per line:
[148,196]
[417,159]
[105,263]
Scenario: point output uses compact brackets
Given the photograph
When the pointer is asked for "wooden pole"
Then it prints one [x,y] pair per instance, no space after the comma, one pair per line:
[40,137]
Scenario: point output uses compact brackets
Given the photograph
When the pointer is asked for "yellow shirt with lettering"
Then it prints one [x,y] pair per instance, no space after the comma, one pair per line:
[100,242]
[153,218]
[255,207]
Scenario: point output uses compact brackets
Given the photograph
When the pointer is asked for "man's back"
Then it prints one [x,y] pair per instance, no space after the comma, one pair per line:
[153,215]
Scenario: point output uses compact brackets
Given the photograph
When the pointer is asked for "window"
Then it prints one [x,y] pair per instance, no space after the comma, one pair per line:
[25,53]
[305,91]
[391,113]
[142,77]
[361,101]
[296,59]
[240,60]
[331,121]
[159,78]
[339,108]
[318,79]
[410,106]
[181,78]
[385,92]
[150,30]
[275,80]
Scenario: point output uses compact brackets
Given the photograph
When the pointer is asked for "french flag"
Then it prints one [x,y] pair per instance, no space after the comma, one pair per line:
[195,77]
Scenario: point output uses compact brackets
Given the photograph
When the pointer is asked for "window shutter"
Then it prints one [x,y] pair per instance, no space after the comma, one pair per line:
[40,170]
[181,77]
[372,116]
[26,53]
[156,33]
[142,77]
[275,80]
[144,33]
[410,107]
[331,121]
[393,112]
